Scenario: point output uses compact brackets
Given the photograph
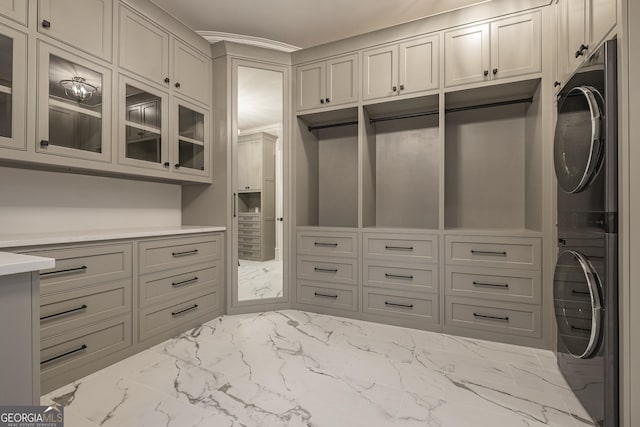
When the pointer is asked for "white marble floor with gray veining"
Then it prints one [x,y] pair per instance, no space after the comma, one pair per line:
[259,279]
[292,368]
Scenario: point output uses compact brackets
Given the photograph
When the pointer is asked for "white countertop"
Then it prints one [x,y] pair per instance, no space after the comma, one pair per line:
[36,239]
[17,263]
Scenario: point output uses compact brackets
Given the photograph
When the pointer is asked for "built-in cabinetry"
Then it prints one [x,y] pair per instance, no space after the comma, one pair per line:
[503,48]
[103,301]
[16,10]
[13,96]
[256,196]
[327,83]
[401,68]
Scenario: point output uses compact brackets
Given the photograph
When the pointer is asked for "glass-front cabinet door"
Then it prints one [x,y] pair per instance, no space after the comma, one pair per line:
[143,138]
[73,106]
[13,57]
[191,151]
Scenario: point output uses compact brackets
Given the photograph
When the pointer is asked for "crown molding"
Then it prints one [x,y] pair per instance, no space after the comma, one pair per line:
[217,36]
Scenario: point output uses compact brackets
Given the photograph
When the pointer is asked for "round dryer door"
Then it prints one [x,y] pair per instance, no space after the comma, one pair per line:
[578,144]
[578,304]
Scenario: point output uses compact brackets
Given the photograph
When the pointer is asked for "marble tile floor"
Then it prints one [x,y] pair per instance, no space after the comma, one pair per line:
[292,368]
[259,279]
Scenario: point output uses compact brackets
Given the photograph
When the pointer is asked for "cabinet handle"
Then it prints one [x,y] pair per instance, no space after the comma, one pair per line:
[68,353]
[398,276]
[322,101]
[177,85]
[484,316]
[331,245]
[492,253]
[167,80]
[179,254]
[235,213]
[495,71]
[44,143]
[325,270]
[399,248]
[492,285]
[328,100]
[395,88]
[184,282]
[46,24]
[177,166]
[73,310]
[581,50]
[401,87]
[486,73]
[317,294]
[167,164]
[66,270]
[556,83]
[186,310]
[393,304]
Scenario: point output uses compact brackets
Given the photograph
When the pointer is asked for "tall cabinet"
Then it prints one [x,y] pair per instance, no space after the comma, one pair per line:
[256,196]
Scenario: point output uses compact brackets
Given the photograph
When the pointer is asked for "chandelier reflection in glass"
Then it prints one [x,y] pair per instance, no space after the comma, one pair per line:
[78,89]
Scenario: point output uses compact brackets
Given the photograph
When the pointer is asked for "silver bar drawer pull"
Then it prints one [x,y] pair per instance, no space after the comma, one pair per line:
[491,253]
[185,253]
[329,245]
[184,282]
[398,276]
[399,248]
[66,270]
[325,270]
[393,304]
[491,285]
[186,310]
[62,313]
[484,316]
[68,353]
[317,294]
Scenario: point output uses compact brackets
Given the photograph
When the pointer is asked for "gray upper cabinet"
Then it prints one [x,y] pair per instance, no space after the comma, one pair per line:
[504,48]
[190,139]
[327,83]
[16,10]
[74,106]
[13,66]
[399,69]
[602,18]
[191,73]
[85,25]
[250,163]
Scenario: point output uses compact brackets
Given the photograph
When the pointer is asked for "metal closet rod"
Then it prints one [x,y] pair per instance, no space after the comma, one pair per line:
[428,113]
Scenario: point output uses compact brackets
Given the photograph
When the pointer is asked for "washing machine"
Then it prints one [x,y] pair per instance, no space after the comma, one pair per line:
[586,272]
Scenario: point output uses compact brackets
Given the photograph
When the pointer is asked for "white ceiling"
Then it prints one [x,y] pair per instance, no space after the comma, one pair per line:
[259,100]
[303,23]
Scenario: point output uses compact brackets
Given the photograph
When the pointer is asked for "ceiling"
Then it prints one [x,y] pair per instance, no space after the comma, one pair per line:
[259,100]
[292,24]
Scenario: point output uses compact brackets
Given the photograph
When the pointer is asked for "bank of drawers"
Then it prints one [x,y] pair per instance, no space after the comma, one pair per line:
[493,284]
[327,269]
[249,236]
[400,277]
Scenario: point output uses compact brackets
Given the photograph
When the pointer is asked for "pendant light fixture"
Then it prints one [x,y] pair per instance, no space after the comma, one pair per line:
[78,88]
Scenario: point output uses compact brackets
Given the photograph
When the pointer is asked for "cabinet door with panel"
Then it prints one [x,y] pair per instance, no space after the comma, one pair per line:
[515,46]
[250,163]
[191,73]
[311,85]
[73,113]
[190,139]
[467,55]
[419,65]
[85,25]
[13,67]
[16,10]
[576,32]
[603,17]
[380,72]
[342,80]
[144,47]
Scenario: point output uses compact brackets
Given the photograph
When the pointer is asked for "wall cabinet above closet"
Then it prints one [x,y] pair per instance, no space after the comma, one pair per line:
[85,25]
[327,83]
[503,48]
[16,10]
[152,53]
[401,68]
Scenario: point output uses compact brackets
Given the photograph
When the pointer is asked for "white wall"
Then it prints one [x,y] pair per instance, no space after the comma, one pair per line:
[39,201]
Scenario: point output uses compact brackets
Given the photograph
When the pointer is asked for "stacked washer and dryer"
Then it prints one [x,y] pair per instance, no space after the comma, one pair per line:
[586,274]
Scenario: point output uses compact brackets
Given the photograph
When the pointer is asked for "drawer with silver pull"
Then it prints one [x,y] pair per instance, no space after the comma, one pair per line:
[165,254]
[163,317]
[82,266]
[332,270]
[62,312]
[342,297]
[489,251]
[400,276]
[403,247]
[494,316]
[244,217]
[169,286]
[523,286]
[407,305]
[327,243]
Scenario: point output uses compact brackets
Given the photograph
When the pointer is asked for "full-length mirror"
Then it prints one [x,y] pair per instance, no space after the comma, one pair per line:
[259,184]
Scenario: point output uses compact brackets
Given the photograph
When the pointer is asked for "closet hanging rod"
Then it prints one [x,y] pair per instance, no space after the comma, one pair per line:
[402,116]
[490,104]
[333,125]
